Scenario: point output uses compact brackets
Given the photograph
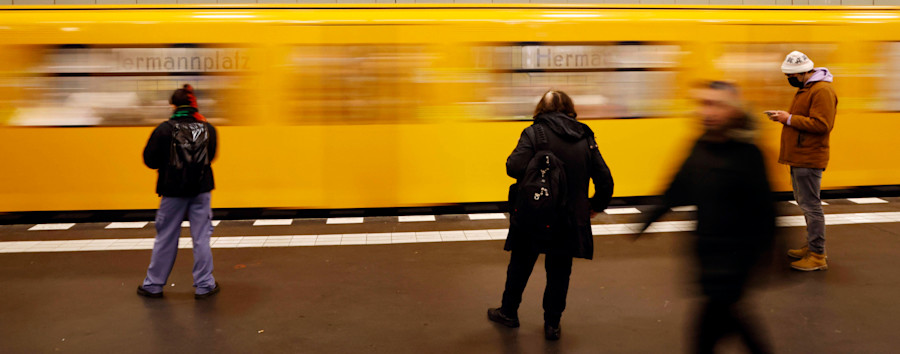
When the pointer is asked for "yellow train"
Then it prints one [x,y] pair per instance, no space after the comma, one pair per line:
[392,106]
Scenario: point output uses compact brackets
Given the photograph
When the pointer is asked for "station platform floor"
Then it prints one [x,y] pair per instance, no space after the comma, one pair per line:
[422,284]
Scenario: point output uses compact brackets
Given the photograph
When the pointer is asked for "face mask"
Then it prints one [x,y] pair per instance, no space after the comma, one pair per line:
[794,81]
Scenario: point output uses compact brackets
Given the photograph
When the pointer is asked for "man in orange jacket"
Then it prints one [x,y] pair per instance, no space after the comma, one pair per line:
[805,147]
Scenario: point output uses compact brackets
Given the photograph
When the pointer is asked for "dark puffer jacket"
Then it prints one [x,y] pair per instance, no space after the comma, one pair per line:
[158,151]
[572,142]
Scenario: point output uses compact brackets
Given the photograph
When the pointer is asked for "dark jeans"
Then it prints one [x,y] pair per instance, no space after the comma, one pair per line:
[521,263]
[807,185]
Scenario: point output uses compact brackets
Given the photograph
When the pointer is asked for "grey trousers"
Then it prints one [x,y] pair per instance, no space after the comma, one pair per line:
[168,229]
[807,184]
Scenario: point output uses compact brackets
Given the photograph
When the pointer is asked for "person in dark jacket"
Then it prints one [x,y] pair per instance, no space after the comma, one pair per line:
[725,177]
[573,143]
[181,149]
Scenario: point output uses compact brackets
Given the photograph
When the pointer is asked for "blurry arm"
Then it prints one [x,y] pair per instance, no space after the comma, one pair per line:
[762,198]
[603,181]
[154,149]
[821,114]
[518,160]
[675,195]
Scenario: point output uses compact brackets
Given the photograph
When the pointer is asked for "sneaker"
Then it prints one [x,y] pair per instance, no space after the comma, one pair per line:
[801,252]
[812,261]
[142,292]
[496,315]
[208,294]
[552,332]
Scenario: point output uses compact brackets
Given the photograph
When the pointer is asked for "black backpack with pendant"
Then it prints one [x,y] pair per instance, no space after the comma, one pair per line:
[538,201]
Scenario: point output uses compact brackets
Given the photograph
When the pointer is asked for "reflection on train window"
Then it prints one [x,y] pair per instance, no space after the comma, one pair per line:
[889,89]
[125,86]
[358,84]
[756,67]
[605,81]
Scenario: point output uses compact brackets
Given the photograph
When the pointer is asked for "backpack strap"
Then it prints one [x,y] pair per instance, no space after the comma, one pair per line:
[541,135]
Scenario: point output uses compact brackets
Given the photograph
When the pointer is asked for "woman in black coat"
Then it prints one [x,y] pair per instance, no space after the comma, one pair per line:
[573,143]
[725,177]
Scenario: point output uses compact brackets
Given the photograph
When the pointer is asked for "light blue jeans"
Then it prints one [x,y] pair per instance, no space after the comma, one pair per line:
[168,229]
[807,184]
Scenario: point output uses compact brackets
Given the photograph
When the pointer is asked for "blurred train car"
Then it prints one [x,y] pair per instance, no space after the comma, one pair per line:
[392,106]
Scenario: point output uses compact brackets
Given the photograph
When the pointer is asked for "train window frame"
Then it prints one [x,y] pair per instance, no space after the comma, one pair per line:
[374,108]
[775,93]
[670,74]
[104,80]
[887,88]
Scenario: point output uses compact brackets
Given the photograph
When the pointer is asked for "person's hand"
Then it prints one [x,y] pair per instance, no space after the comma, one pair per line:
[593,214]
[778,116]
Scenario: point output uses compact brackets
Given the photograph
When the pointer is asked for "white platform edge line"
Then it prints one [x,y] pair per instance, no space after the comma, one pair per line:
[416,218]
[273,222]
[127,225]
[348,220]
[47,227]
[487,216]
[867,200]
[219,242]
[618,211]
[795,202]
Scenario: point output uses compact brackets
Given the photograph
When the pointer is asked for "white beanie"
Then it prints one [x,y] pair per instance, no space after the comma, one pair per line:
[796,62]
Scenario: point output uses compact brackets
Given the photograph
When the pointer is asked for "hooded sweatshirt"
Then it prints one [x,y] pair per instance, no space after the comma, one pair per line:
[820,74]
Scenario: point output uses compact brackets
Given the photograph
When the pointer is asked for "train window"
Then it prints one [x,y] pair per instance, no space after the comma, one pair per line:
[756,67]
[358,84]
[618,80]
[889,89]
[91,86]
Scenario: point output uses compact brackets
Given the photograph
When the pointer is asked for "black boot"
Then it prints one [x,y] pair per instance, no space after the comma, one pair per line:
[497,315]
[145,293]
[552,332]
[212,292]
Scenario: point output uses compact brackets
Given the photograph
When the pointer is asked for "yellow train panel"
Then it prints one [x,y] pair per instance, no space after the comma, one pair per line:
[347,107]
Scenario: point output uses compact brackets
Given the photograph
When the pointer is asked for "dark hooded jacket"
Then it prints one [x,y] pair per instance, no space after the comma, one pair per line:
[573,143]
[727,182]
[158,151]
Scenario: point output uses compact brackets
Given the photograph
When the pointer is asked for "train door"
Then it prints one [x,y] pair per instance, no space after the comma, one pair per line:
[348,94]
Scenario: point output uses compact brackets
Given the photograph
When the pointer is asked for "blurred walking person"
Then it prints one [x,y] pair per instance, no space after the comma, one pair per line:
[805,148]
[551,212]
[725,177]
[181,149]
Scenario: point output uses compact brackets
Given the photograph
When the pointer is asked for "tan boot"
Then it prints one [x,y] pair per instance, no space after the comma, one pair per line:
[799,253]
[812,261]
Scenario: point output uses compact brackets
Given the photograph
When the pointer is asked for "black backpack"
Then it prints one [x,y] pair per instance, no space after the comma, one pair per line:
[189,155]
[538,201]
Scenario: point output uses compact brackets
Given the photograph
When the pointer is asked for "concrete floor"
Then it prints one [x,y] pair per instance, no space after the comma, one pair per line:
[634,297]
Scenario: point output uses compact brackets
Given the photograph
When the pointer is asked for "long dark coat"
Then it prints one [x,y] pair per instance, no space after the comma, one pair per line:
[572,142]
[727,182]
